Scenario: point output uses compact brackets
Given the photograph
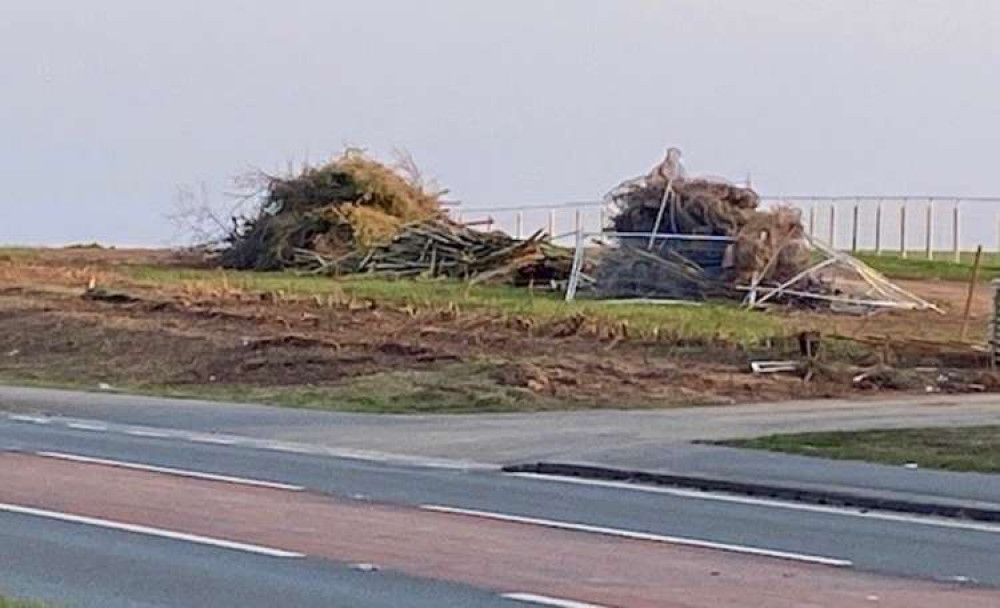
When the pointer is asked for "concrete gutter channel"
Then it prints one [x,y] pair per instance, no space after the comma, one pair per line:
[869,500]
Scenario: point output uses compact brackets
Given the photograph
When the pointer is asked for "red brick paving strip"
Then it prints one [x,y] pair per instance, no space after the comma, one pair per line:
[494,555]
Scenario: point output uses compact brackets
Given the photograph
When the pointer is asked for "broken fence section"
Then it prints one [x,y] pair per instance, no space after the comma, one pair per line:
[648,267]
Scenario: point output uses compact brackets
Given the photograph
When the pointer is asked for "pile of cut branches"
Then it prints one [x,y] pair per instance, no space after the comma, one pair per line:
[334,210]
[696,239]
[356,214]
[441,247]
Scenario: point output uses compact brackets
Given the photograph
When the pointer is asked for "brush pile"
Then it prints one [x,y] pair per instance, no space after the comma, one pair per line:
[355,214]
[444,248]
[720,240]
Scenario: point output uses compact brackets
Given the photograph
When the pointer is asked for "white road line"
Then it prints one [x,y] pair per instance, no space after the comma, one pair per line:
[86,426]
[673,540]
[264,444]
[154,434]
[33,419]
[159,532]
[211,439]
[169,471]
[922,520]
[544,600]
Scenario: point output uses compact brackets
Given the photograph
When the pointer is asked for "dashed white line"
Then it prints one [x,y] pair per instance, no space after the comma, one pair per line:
[264,444]
[644,536]
[153,434]
[87,426]
[170,471]
[923,520]
[544,600]
[211,439]
[149,531]
[32,419]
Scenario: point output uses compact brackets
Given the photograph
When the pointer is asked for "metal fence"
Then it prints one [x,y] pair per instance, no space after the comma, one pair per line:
[928,225]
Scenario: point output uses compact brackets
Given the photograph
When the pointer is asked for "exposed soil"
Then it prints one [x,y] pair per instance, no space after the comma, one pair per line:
[170,337]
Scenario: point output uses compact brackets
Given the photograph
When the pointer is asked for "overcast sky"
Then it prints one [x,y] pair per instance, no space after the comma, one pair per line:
[107,106]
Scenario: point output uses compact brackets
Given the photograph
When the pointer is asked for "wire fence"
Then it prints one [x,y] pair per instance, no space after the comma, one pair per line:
[931,226]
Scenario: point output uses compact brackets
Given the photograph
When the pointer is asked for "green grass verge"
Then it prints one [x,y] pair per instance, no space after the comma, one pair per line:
[457,388]
[454,389]
[7,602]
[943,268]
[953,449]
[723,321]
[460,388]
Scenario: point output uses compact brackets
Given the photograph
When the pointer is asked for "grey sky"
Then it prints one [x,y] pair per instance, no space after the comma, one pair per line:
[107,106]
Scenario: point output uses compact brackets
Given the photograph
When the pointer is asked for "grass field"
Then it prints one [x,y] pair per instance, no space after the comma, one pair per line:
[454,389]
[6,602]
[461,388]
[954,449]
[723,321]
[365,344]
[918,267]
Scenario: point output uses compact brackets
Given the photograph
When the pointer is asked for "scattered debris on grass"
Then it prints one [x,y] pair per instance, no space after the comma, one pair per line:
[439,345]
[928,380]
[775,367]
[100,294]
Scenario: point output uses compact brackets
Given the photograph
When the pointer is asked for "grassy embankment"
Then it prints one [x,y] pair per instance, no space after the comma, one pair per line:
[918,267]
[709,321]
[463,387]
[954,449]
[469,386]
[460,388]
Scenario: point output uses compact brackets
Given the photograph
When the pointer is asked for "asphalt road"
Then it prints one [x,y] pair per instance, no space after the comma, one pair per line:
[637,438]
[440,558]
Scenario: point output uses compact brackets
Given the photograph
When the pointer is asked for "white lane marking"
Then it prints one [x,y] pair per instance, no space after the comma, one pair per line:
[155,434]
[87,426]
[169,471]
[211,439]
[32,419]
[923,520]
[294,448]
[266,444]
[149,531]
[544,600]
[673,540]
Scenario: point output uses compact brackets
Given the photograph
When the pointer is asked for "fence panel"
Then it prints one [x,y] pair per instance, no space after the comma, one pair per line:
[913,226]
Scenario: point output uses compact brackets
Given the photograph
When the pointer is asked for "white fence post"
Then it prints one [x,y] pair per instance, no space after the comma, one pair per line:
[878,227]
[832,231]
[902,229]
[929,245]
[955,246]
[519,225]
[578,221]
[574,273]
[552,223]
[854,228]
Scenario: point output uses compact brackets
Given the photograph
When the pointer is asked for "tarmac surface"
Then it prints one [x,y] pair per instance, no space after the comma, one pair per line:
[390,533]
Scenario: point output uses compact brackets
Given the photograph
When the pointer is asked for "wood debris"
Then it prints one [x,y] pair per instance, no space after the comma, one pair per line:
[442,248]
